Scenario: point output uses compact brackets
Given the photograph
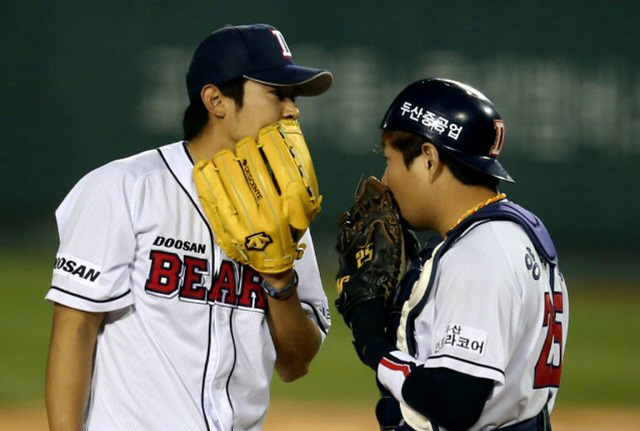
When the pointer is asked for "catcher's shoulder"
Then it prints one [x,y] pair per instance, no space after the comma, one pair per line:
[491,242]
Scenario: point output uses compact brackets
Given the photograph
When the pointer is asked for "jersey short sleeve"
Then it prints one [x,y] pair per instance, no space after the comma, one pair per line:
[97,242]
[312,296]
[478,303]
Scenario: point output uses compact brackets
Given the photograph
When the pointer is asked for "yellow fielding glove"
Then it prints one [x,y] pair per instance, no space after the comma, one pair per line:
[262,199]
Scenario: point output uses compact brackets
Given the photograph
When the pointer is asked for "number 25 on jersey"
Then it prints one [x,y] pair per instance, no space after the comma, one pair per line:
[549,365]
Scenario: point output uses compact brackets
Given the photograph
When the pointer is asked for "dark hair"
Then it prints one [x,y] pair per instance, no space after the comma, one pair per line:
[196,115]
[410,145]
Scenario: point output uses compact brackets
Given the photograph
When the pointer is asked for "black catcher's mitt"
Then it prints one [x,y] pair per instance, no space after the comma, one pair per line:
[370,247]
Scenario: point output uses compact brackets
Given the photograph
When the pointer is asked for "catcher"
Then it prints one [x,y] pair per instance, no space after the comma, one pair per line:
[470,331]
[187,274]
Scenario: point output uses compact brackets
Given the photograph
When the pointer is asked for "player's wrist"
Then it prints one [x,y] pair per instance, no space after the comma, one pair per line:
[280,288]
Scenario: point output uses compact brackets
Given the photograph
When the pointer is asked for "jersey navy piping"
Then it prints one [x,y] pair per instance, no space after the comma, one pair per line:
[92,300]
[233,367]
[413,313]
[204,374]
[175,177]
[206,363]
[186,150]
[235,350]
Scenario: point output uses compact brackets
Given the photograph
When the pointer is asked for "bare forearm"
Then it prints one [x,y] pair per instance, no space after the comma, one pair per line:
[296,337]
[70,366]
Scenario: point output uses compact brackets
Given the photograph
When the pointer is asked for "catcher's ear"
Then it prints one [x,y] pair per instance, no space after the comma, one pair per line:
[212,100]
[430,154]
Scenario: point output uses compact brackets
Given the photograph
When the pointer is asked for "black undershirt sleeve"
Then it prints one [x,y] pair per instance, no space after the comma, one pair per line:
[448,398]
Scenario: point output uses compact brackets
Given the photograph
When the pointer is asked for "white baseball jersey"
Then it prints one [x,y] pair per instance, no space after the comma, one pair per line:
[185,343]
[495,310]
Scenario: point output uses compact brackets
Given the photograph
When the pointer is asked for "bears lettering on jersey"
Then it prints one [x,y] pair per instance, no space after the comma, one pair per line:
[246,293]
[172,275]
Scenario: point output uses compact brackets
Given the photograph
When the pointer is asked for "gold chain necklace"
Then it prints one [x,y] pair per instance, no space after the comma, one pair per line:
[478,207]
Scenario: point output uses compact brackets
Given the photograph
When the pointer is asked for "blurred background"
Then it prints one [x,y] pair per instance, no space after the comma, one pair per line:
[84,83]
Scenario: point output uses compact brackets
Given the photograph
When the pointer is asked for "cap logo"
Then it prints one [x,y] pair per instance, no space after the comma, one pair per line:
[286,52]
[496,149]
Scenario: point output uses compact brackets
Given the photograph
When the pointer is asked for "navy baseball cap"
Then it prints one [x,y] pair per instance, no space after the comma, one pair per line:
[257,52]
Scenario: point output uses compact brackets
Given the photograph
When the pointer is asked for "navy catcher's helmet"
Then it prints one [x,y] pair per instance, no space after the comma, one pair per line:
[456,118]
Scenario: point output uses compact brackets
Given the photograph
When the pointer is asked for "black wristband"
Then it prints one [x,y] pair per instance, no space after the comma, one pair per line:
[284,292]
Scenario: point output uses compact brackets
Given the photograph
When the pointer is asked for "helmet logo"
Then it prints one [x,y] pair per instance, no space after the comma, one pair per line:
[499,143]
[433,122]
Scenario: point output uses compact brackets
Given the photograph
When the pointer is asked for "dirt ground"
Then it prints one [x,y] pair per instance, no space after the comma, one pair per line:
[312,417]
